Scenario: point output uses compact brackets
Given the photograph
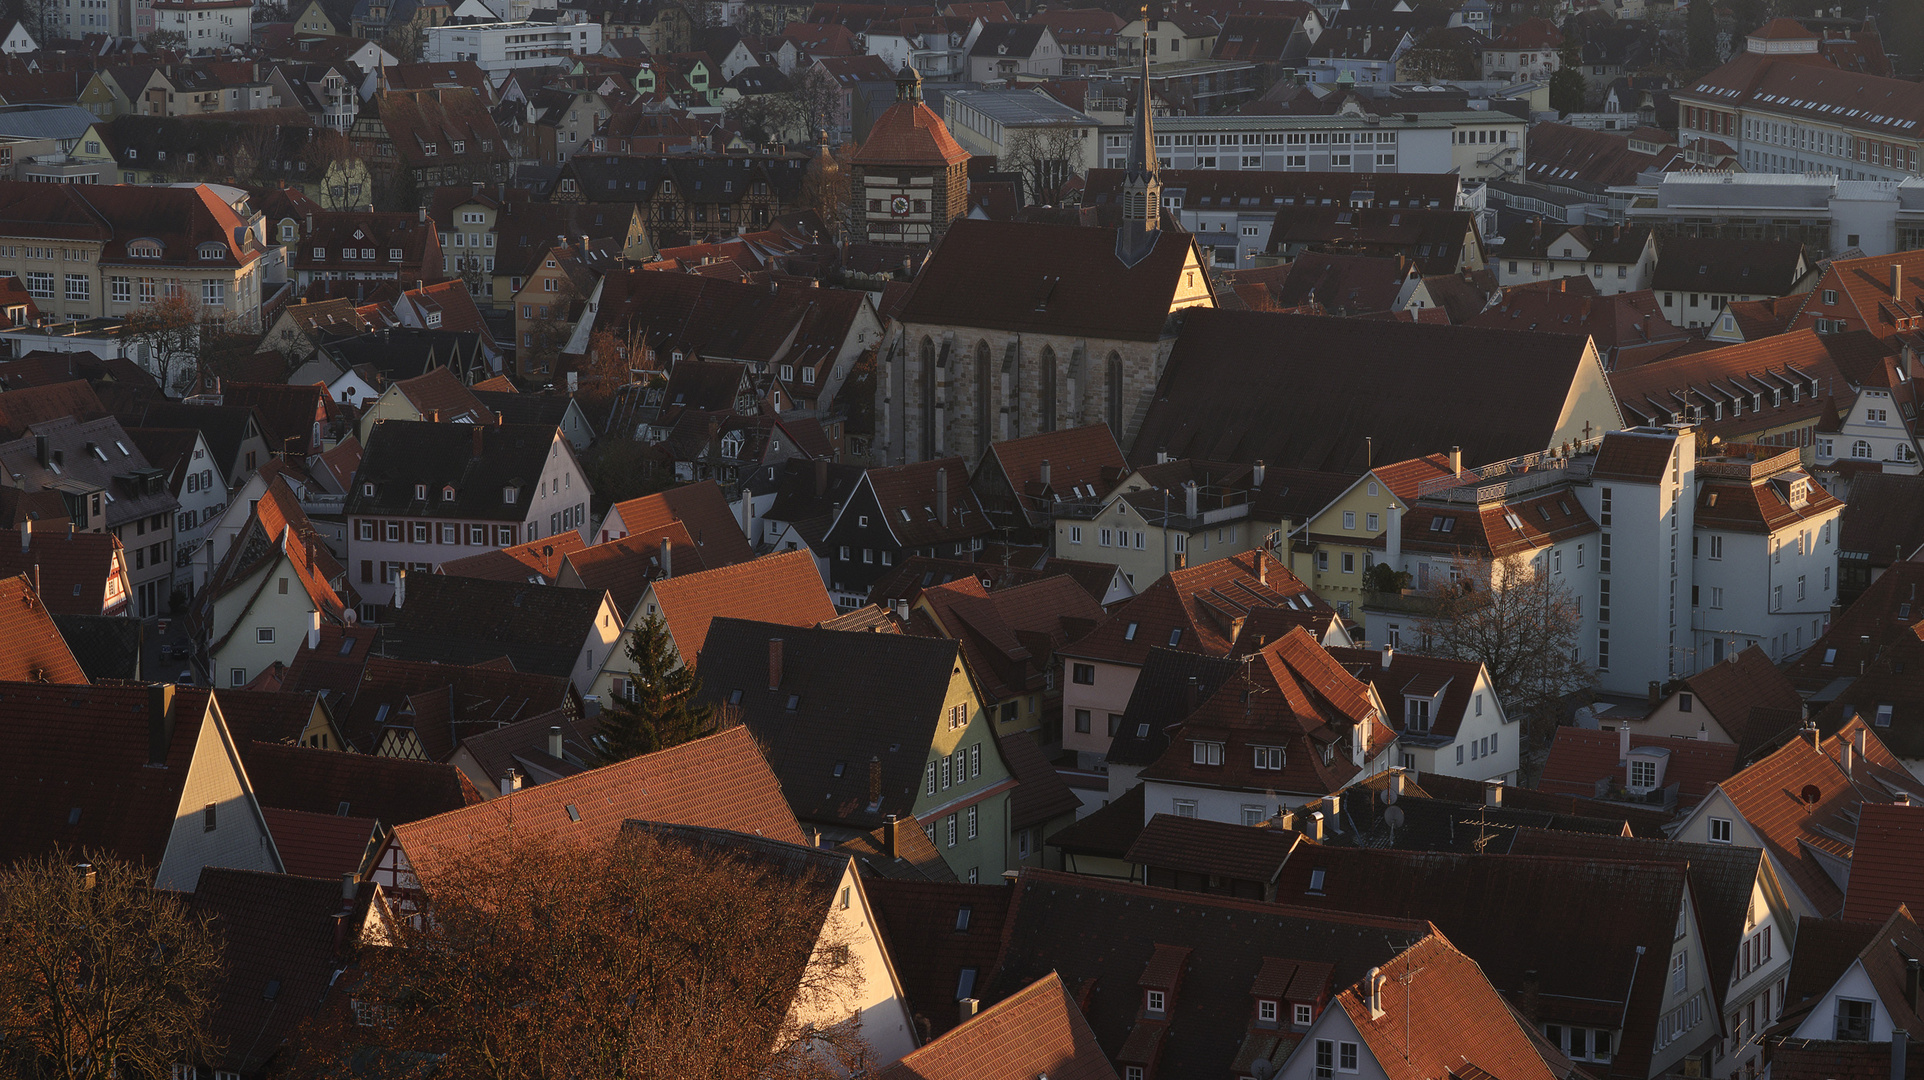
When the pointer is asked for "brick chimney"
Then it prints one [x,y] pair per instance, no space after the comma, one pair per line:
[160,723]
[874,781]
[667,557]
[775,663]
[888,836]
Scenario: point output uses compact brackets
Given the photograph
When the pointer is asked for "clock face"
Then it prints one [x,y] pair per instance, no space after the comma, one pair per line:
[900,204]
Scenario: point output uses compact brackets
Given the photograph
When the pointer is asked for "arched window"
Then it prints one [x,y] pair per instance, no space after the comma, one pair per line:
[1047,387]
[928,399]
[1861,449]
[984,399]
[1114,377]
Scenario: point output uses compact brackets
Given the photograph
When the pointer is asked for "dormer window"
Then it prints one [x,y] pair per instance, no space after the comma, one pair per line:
[143,249]
[1305,1015]
[1417,714]
[1154,1002]
[447,493]
[507,495]
[1206,753]
[212,251]
[1129,632]
[367,490]
[420,492]
[1266,1011]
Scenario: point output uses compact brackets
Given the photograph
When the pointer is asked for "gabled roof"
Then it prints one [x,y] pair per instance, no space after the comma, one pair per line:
[909,135]
[1295,697]
[1579,758]
[1009,636]
[1038,278]
[93,767]
[106,646]
[541,558]
[542,628]
[439,395]
[478,461]
[1722,879]
[31,646]
[1217,848]
[21,409]
[390,790]
[320,845]
[1451,1022]
[856,697]
[783,588]
[906,497]
[1885,871]
[702,508]
[1228,393]
[282,947]
[1753,701]
[1575,923]
[1035,1031]
[1801,803]
[1103,937]
[1163,698]
[1077,457]
[1409,673]
[931,939]
[74,568]
[623,567]
[720,780]
[1197,609]
[1715,265]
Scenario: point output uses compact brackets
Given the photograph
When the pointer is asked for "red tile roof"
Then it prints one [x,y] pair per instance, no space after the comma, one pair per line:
[1753,701]
[1077,457]
[702,507]
[440,396]
[1009,636]
[77,570]
[1802,832]
[320,845]
[1036,1031]
[910,135]
[542,558]
[720,781]
[624,567]
[1580,757]
[1885,869]
[784,588]
[1199,609]
[1438,1016]
[390,790]
[31,648]
[923,924]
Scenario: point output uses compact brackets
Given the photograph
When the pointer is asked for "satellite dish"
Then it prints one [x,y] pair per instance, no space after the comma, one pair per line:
[1811,795]
[1393,817]
[1262,1068]
[1389,796]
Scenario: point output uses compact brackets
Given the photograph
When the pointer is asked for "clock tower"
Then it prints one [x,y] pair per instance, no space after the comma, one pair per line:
[911,178]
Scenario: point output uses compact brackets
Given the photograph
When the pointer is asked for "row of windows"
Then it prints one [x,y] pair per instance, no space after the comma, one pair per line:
[957,768]
[397,532]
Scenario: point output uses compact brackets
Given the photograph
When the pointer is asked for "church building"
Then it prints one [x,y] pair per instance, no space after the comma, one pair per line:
[1014,328]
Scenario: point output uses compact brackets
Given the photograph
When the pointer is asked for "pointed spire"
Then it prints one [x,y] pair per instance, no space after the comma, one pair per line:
[1141,183]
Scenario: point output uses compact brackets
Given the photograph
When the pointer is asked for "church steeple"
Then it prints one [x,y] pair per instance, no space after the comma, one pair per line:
[1141,184]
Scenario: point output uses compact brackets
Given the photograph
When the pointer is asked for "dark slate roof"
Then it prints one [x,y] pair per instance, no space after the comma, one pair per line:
[393,791]
[1757,268]
[1109,830]
[1101,937]
[403,453]
[107,646]
[1161,700]
[1038,278]
[1246,386]
[225,427]
[861,696]
[538,410]
[923,923]
[457,620]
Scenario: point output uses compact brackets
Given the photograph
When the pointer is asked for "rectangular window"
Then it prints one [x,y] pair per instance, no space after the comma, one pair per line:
[972,826]
[1679,973]
[1855,1019]
[1184,807]
[1154,1002]
[952,830]
[1266,1011]
[1082,721]
[1719,830]
[1083,674]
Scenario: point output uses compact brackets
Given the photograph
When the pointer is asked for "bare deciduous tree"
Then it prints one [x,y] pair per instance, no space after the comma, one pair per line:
[1521,623]
[101,975]
[168,333]
[650,957]
[1045,157]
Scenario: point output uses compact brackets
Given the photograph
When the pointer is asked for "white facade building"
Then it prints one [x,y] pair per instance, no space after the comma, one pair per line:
[207,25]
[1349,141]
[501,47]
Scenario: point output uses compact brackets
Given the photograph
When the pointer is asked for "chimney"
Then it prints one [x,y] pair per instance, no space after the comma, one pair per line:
[479,431]
[821,477]
[774,663]
[310,223]
[1262,566]
[1316,826]
[1897,282]
[942,497]
[400,589]
[554,741]
[1389,655]
[1373,991]
[424,215]
[1493,793]
[667,557]
[1900,1049]
[313,637]
[1335,803]
[888,836]
[26,536]
[874,782]
[160,722]
[1849,758]
[1189,500]
[966,1008]
[1623,742]
[1256,474]
[1045,472]
[348,888]
[510,782]
[42,450]
[1456,461]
